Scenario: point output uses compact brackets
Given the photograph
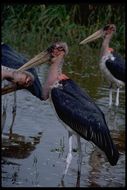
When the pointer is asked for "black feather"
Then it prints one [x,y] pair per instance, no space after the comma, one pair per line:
[116,67]
[12,59]
[76,109]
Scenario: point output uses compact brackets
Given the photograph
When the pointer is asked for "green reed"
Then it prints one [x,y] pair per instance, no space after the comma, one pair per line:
[32,27]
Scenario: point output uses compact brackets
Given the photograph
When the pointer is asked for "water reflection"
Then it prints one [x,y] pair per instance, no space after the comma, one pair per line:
[29,161]
[101,173]
[9,104]
[77,184]
[15,146]
[96,171]
[96,161]
[18,146]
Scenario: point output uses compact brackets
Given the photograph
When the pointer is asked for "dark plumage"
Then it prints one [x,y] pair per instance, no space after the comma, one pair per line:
[12,59]
[76,109]
[111,64]
[116,66]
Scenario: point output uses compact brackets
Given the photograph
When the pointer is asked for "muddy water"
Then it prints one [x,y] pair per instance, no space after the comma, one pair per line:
[35,147]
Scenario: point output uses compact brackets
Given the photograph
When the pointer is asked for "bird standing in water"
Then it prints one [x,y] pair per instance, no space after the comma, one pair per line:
[111,64]
[77,111]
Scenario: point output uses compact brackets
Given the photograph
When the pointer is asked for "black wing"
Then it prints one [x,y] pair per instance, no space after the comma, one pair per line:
[117,67]
[13,59]
[77,110]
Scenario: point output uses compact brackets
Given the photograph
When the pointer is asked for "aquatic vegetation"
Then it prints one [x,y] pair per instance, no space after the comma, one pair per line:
[32,27]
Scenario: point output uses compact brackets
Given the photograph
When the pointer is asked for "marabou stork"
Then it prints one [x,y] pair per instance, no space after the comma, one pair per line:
[112,65]
[12,59]
[73,106]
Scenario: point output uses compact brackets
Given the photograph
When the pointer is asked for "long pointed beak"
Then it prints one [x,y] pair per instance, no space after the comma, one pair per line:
[39,59]
[93,37]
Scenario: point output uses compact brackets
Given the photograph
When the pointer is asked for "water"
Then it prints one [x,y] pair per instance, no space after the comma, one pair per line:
[35,147]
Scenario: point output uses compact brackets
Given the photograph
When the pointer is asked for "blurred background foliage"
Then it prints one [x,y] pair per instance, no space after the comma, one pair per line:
[32,28]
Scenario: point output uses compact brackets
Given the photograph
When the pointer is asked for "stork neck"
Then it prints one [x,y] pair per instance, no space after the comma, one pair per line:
[55,71]
[105,45]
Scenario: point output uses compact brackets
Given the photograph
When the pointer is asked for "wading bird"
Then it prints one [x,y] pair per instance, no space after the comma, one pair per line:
[14,60]
[77,111]
[111,64]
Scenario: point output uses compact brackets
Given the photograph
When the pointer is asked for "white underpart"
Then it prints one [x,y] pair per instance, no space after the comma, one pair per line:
[56,84]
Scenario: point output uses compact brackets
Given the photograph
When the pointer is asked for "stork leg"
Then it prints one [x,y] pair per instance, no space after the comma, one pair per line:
[110,95]
[79,161]
[69,156]
[80,154]
[117,96]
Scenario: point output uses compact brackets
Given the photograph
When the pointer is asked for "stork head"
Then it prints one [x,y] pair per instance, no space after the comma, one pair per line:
[102,33]
[55,50]
[109,29]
